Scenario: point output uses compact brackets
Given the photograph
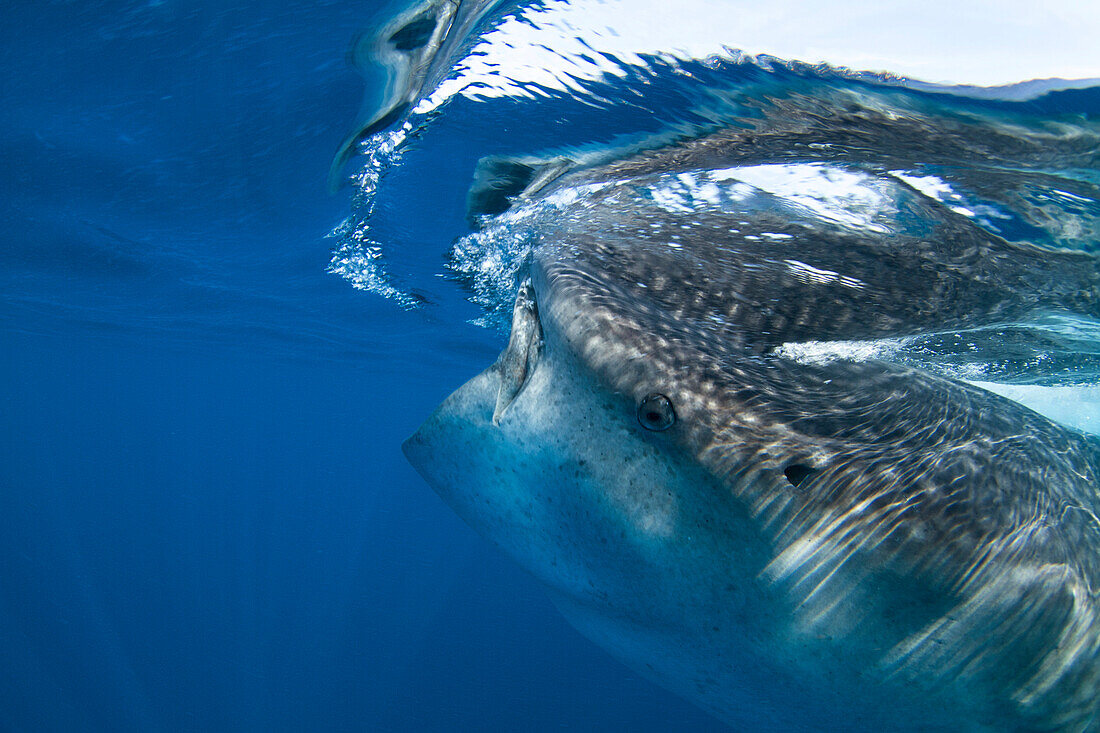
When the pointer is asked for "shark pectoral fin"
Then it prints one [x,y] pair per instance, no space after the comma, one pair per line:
[524,345]
[499,180]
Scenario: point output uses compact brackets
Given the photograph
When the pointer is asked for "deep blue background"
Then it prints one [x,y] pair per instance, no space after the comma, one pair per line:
[205,519]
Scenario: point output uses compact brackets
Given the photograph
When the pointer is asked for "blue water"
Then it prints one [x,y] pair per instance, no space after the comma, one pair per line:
[206,523]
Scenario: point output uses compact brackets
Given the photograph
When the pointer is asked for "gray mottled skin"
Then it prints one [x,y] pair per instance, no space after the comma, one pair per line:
[936,570]
[935,564]
[944,533]
[952,276]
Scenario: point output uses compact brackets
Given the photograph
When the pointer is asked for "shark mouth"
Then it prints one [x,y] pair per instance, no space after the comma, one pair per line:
[519,358]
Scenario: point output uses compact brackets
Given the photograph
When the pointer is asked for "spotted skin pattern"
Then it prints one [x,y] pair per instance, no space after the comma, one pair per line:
[812,545]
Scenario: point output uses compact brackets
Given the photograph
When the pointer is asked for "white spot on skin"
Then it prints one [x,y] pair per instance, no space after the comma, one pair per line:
[1074,197]
[812,275]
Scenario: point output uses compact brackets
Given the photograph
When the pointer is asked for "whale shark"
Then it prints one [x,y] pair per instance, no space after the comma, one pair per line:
[681,443]
[791,543]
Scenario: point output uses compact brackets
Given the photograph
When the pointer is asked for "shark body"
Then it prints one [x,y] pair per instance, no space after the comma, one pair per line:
[790,544]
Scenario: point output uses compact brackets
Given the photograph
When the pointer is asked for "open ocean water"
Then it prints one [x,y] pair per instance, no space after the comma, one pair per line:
[208,361]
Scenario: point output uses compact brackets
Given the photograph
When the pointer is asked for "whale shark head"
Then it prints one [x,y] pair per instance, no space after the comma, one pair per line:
[789,543]
[588,489]
[541,458]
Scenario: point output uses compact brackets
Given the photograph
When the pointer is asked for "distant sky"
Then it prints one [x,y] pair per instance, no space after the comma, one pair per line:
[980,42]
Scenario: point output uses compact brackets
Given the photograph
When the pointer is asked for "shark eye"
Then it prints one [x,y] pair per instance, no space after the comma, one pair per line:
[655,412]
